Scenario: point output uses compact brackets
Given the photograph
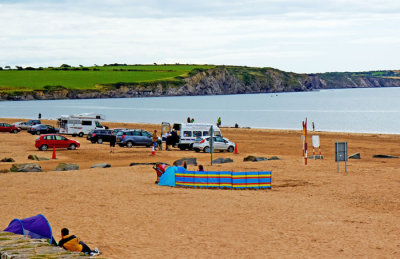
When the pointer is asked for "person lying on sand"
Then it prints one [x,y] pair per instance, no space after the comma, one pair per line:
[72,243]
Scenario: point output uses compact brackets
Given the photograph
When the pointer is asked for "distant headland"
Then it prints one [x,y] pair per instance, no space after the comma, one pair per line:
[123,81]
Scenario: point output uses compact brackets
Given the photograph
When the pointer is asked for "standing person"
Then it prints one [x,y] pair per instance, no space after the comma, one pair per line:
[219,122]
[155,139]
[313,126]
[73,244]
[39,115]
[113,139]
[188,120]
[192,120]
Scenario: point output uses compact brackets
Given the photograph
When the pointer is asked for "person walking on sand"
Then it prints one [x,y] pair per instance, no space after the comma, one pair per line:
[73,244]
[155,139]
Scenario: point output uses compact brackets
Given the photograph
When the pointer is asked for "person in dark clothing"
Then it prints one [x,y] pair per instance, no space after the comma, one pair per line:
[73,244]
[113,139]
[39,115]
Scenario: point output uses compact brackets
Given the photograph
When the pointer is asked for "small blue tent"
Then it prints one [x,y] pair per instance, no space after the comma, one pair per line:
[36,227]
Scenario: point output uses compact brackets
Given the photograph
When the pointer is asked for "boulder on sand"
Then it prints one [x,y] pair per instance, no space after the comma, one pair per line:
[189,161]
[36,158]
[101,165]
[7,159]
[254,159]
[384,156]
[222,160]
[66,167]
[27,167]
[355,156]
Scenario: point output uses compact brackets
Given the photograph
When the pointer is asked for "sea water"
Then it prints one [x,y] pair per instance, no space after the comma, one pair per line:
[369,110]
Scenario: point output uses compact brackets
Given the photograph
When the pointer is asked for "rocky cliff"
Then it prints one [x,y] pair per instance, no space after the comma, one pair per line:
[215,81]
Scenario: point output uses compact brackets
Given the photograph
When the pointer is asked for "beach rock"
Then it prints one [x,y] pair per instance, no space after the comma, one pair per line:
[36,158]
[222,160]
[189,161]
[355,156]
[316,157]
[4,171]
[274,158]
[14,246]
[133,164]
[66,167]
[384,156]
[254,159]
[27,167]
[101,165]
[7,159]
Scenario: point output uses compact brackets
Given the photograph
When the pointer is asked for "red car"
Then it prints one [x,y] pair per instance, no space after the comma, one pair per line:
[5,127]
[44,142]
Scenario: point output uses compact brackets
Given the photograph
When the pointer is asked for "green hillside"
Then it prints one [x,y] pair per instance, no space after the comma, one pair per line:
[91,77]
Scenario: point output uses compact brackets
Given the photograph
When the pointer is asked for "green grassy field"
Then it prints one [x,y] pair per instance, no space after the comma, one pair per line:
[91,77]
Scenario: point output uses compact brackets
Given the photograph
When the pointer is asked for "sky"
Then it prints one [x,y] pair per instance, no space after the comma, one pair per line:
[307,36]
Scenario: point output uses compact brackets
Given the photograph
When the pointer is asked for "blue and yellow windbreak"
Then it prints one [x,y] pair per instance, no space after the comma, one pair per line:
[235,180]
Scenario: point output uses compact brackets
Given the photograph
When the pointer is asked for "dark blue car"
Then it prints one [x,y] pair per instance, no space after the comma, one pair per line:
[42,129]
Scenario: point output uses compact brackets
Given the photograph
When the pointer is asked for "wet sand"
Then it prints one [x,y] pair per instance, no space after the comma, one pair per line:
[311,210]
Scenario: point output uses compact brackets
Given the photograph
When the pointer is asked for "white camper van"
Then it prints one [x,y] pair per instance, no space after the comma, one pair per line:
[80,124]
[188,132]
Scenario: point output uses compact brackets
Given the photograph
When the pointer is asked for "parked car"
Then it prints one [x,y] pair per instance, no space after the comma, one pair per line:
[42,129]
[5,127]
[220,144]
[22,125]
[33,122]
[116,130]
[46,141]
[135,137]
[99,136]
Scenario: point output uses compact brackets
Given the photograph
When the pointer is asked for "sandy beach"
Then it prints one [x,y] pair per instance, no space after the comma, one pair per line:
[311,211]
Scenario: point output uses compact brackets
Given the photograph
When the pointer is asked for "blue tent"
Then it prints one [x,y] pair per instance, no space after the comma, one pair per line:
[36,227]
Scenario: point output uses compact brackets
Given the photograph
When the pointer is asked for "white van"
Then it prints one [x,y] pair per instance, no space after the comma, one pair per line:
[80,124]
[188,132]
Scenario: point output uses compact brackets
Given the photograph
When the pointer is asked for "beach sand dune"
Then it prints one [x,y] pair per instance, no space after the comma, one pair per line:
[311,211]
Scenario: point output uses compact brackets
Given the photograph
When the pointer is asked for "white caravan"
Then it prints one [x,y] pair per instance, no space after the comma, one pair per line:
[188,132]
[80,124]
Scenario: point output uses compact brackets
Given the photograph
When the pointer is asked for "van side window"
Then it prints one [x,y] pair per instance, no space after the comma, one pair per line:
[196,133]
[205,133]
[98,124]
[87,123]
[217,133]
[187,133]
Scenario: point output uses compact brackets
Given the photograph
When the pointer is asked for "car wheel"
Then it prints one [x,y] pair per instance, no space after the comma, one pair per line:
[129,144]
[15,131]
[72,146]
[230,149]
[80,134]
[37,132]
[93,141]
[100,141]
[206,149]
[44,147]
[197,150]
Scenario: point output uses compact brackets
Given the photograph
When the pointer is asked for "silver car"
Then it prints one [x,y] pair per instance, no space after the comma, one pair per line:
[22,125]
[220,144]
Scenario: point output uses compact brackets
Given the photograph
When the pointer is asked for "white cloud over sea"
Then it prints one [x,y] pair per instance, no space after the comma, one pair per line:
[300,36]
